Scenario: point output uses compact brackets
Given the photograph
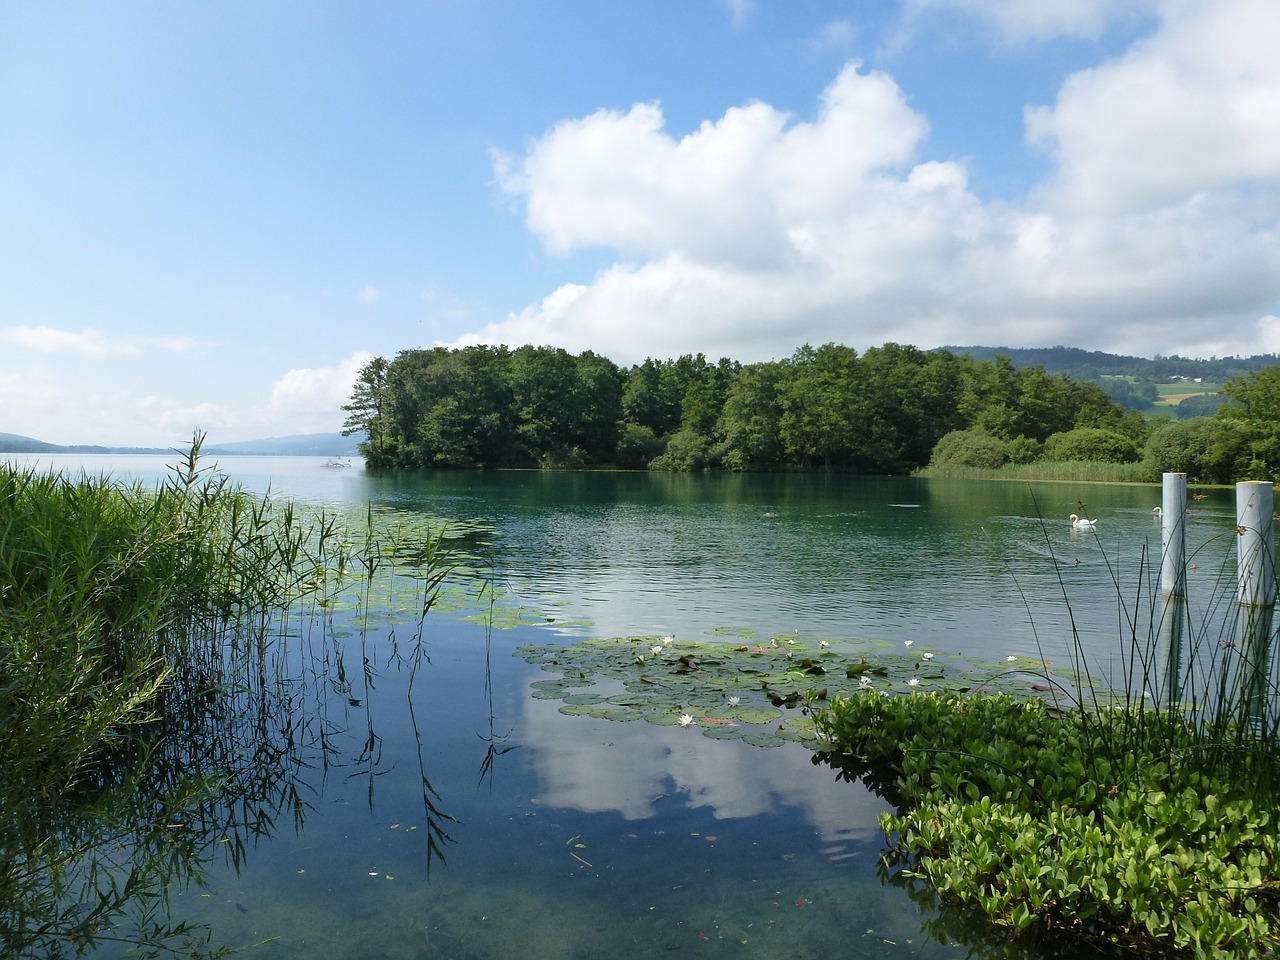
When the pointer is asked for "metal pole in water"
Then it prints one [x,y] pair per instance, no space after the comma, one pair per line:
[1173,535]
[1256,568]
[1173,584]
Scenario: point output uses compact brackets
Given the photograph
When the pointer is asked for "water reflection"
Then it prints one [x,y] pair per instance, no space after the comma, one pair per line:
[231,762]
[600,766]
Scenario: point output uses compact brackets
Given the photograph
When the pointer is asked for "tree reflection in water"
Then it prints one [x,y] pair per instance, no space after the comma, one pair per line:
[231,758]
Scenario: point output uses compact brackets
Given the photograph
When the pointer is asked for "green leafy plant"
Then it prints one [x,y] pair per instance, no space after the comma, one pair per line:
[139,666]
[1094,815]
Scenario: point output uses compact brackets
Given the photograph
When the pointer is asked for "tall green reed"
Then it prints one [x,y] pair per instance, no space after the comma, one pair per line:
[139,665]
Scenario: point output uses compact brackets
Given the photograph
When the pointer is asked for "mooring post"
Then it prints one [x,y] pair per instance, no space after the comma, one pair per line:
[1173,535]
[1173,585]
[1256,568]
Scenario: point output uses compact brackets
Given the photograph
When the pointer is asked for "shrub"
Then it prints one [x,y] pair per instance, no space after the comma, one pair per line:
[1090,443]
[1100,825]
[1207,450]
[970,448]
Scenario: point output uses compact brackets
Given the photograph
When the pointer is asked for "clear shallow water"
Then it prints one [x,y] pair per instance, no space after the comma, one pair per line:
[572,836]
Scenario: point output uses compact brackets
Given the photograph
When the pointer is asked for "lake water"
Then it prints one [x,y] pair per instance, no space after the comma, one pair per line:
[571,836]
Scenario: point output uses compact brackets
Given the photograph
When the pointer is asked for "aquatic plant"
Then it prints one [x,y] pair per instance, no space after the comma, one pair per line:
[1097,815]
[762,692]
[139,669]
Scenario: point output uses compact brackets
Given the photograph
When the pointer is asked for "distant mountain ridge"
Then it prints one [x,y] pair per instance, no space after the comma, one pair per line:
[1091,364]
[298,445]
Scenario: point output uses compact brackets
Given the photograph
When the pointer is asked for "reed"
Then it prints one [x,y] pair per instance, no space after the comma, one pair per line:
[1136,810]
[1075,471]
[138,661]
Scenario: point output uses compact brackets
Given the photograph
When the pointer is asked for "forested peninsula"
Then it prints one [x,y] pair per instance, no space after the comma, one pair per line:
[891,409]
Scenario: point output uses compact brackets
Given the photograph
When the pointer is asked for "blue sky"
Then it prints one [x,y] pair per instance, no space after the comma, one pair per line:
[211,215]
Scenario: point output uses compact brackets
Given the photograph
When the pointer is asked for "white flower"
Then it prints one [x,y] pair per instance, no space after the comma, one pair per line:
[865,681]
[639,658]
[655,650]
[1011,658]
[913,682]
[668,641]
[927,656]
[790,641]
[734,701]
[824,644]
[907,643]
[686,719]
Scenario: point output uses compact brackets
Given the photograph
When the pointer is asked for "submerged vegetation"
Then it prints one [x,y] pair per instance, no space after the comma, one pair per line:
[142,708]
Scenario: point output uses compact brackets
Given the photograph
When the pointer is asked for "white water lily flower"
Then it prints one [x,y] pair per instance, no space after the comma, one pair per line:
[734,701]
[1011,658]
[639,658]
[824,643]
[865,681]
[686,719]
[907,643]
[927,656]
[913,682]
[668,641]
[655,650]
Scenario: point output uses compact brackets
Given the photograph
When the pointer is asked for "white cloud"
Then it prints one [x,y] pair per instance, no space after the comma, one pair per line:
[318,391]
[370,294]
[1181,117]
[92,343]
[1158,230]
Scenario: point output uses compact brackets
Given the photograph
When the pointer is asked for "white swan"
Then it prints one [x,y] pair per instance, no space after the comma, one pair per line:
[1082,523]
[1157,511]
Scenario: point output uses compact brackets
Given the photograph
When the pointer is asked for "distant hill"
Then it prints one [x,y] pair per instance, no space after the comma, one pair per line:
[299,445]
[1092,364]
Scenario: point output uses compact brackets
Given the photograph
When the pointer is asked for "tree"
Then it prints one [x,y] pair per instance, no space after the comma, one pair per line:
[1255,406]
[970,448]
[749,419]
[367,411]
[816,399]
[1090,443]
[1206,449]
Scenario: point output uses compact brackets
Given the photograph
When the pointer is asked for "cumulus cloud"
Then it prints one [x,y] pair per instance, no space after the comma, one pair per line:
[1187,117]
[92,343]
[1158,229]
[318,391]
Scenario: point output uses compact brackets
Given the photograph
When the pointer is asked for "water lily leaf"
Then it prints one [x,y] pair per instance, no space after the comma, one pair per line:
[722,733]
[583,698]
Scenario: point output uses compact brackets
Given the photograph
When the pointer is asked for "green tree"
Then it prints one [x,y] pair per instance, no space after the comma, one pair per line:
[970,448]
[1254,404]
[818,415]
[1206,449]
[367,411]
[749,420]
[1090,443]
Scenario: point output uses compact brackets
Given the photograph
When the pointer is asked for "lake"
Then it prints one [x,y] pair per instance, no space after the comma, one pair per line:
[437,805]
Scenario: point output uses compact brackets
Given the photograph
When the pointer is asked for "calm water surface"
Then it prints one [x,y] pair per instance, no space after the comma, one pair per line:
[574,837]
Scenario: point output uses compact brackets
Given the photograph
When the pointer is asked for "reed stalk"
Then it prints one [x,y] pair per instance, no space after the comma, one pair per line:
[139,668]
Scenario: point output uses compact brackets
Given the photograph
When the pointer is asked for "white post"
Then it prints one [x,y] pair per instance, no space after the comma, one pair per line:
[1173,588]
[1173,536]
[1256,552]
[1256,568]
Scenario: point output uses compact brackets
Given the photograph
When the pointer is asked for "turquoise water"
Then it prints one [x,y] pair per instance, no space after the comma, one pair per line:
[569,836]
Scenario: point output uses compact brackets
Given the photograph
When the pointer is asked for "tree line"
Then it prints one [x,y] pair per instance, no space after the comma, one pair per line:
[829,407]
